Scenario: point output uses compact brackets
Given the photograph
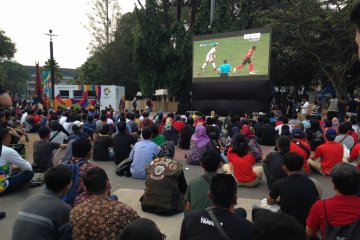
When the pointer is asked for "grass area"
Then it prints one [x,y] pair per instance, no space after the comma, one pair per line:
[233,49]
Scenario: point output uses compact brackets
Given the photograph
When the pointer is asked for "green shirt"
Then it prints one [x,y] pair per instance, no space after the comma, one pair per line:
[159,139]
[197,192]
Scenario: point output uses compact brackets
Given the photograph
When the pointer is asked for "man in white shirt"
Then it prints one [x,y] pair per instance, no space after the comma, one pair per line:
[304,107]
[10,182]
[210,57]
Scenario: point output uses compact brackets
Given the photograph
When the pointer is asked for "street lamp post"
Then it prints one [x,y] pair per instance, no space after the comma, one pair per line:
[52,65]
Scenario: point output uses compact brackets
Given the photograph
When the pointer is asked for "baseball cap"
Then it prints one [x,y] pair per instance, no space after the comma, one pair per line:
[296,132]
[330,133]
[78,123]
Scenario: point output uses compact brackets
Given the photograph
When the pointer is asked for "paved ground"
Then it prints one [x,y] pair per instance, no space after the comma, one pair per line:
[129,191]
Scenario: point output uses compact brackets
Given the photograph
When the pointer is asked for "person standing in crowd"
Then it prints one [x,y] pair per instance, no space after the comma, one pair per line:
[330,153]
[304,107]
[200,224]
[46,216]
[342,108]
[340,210]
[333,107]
[352,106]
[134,104]
[105,218]
[297,192]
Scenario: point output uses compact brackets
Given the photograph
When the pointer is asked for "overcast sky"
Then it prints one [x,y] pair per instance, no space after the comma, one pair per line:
[26,22]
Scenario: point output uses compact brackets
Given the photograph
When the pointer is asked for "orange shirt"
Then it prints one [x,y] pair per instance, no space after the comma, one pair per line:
[296,148]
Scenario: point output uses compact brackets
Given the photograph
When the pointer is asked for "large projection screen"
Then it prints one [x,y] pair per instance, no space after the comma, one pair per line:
[231,71]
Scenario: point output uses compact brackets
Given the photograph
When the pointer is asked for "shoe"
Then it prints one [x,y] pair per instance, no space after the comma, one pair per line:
[251,73]
[2,215]
[215,69]
[234,70]
[201,69]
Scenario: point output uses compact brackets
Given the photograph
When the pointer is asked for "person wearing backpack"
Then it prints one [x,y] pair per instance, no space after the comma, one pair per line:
[338,217]
[79,165]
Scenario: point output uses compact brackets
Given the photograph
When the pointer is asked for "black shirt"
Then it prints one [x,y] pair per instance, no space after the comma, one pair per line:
[273,168]
[297,193]
[266,134]
[101,148]
[185,136]
[122,146]
[197,225]
[353,106]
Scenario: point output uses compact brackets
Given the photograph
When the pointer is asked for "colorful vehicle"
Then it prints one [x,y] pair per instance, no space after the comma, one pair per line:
[89,96]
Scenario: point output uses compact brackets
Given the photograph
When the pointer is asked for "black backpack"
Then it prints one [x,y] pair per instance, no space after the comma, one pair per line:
[344,232]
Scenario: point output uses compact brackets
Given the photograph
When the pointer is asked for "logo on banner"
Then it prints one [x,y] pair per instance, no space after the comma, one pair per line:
[107,92]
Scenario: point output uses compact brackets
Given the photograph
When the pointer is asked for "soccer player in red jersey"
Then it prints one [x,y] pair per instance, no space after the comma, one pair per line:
[247,60]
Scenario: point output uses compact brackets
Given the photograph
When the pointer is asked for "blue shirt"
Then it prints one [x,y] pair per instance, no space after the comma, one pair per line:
[225,68]
[142,154]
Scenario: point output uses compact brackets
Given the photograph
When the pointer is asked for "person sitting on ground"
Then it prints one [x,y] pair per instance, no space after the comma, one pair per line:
[186,133]
[200,224]
[46,216]
[300,145]
[12,178]
[273,162]
[199,143]
[103,145]
[340,210]
[231,135]
[122,142]
[278,128]
[241,163]
[297,192]
[330,153]
[196,193]
[179,124]
[275,226]
[141,229]
[169,132]
[157,137]
[142,154]
[354,157]
[56,135]
[165,184]
[315,134]
[213,132]
[81,154]
[31,126]
[266,134]
[254,147]
[344,138]
[105,218]
[77,131]
[44,151]
[131,123]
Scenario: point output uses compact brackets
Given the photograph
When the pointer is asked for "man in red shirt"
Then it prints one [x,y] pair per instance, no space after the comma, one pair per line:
[343,208]
[247,60]
[178,124]
[330,153]
[354,155]
[301,146]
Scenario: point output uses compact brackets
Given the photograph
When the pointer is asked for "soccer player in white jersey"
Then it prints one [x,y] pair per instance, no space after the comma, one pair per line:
[210,57]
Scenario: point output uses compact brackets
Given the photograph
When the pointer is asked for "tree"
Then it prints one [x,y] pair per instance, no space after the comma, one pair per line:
[91,72]
[14,77]
[224,17]
[7,47]
[58,74]
[102,25]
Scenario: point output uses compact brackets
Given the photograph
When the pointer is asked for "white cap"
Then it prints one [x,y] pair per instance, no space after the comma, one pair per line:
[78,123]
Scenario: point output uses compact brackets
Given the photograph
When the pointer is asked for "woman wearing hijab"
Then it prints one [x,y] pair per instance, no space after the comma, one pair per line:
[255,150]
[169,132]
[199,143]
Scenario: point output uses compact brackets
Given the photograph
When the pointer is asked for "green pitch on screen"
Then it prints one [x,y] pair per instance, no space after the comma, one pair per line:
[233,49]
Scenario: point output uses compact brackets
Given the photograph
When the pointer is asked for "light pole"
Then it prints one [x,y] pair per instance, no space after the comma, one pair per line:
[52,65]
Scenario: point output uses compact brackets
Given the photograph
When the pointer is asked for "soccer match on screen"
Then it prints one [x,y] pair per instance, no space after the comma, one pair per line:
[244,55]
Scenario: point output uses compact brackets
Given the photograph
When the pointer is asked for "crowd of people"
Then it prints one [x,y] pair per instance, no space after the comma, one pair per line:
[78,203]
